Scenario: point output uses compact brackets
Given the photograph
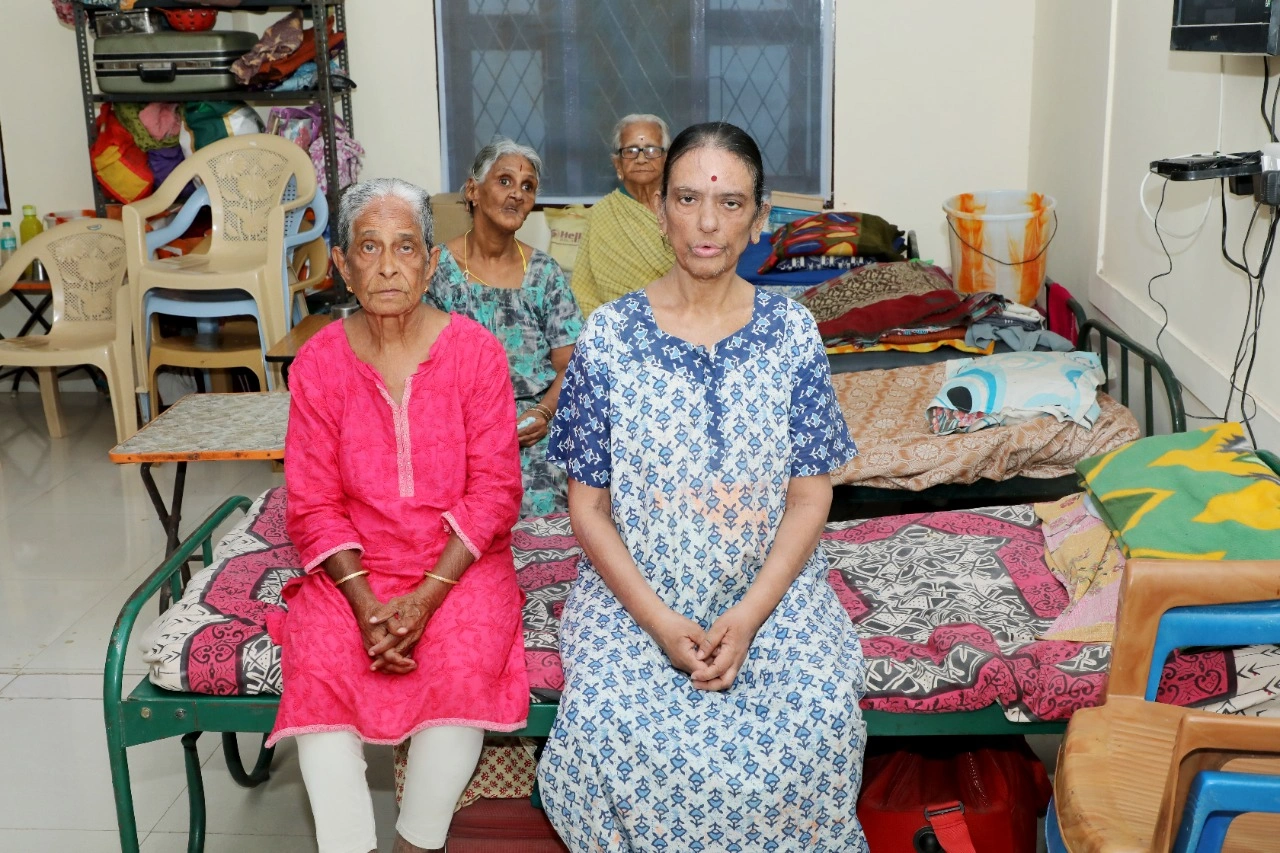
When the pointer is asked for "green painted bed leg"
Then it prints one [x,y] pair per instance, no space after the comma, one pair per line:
[195,793]
[119,760]
[261,771]
[113,700]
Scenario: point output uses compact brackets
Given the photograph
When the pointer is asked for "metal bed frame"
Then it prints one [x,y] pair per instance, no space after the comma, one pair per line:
[148,713]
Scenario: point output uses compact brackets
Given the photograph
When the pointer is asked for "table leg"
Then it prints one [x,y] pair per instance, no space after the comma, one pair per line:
[172,517]
[35,312]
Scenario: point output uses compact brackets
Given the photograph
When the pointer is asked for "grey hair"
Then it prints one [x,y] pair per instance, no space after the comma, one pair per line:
[500,147]
[359,196]
[639,118]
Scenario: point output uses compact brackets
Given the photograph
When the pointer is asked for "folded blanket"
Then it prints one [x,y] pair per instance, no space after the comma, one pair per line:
[836,233]
[1013,387]
[866,286]
[1015,338]
[929,312]
[1202,495]
[861,305]
[1081,551]
[900,346]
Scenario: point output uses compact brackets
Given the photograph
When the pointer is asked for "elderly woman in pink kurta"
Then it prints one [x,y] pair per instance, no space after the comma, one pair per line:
[403,476]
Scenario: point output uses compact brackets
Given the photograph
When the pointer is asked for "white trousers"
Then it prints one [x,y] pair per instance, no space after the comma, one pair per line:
[441,761]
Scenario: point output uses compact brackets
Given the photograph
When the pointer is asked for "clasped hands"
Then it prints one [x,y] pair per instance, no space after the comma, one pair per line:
[537,429]
[713,657]
[391,630]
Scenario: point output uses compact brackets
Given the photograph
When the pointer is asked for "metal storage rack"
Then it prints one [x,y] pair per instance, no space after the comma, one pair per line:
[316,11]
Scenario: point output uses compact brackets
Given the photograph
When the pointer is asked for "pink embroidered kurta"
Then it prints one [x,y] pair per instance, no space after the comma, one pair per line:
[393,479]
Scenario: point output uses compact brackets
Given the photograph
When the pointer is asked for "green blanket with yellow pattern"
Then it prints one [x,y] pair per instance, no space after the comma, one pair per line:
[1194,495]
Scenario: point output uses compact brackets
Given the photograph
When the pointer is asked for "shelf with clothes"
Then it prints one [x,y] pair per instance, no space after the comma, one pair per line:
[328,91]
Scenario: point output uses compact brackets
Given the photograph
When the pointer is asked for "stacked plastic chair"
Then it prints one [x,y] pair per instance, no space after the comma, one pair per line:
[258,188]
[1134,775]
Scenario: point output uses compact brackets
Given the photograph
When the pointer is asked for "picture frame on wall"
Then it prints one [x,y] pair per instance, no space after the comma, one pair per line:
[5,206]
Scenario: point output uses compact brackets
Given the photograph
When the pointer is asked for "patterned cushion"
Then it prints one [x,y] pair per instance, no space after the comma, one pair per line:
[214,639]
[948,606]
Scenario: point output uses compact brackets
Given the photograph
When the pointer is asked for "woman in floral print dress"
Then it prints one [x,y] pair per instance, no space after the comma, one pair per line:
[520,294]
[712,678]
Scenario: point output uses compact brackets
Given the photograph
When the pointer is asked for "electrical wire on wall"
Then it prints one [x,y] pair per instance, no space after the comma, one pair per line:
[1247,346]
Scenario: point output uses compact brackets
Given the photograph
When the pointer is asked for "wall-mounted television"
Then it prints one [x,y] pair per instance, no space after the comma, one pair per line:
[1226,26]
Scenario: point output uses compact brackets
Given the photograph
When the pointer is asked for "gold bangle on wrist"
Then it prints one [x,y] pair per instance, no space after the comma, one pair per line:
[441,578]
[350,576]
[544,411]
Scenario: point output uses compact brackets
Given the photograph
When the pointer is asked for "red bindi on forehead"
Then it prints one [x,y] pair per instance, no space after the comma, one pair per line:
[713,177]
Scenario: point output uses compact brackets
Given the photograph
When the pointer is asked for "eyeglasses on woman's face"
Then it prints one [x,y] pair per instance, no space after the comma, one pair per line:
[651,152]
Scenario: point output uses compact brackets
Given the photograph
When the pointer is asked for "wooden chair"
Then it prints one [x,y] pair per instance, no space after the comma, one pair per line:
[85,260]
[1134,775]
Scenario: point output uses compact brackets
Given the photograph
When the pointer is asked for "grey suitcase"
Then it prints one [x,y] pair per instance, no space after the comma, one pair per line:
[169,63]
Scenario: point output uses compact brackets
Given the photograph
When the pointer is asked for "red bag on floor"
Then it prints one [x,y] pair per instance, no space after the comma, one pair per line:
[993,789]
[503,826]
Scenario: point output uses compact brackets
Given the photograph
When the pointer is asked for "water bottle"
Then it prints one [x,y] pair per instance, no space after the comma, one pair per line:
[28,229]
[8,243]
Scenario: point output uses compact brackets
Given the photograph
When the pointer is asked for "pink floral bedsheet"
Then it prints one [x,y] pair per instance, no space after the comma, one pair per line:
[948,605]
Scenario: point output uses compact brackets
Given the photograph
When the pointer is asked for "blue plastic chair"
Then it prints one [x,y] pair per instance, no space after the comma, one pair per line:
[207,306]
[1196,801]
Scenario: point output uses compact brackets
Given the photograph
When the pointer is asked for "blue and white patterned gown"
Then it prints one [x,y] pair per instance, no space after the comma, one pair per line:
[696,447]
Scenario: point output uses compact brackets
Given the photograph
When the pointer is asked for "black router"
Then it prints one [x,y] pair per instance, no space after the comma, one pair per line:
[1206,167]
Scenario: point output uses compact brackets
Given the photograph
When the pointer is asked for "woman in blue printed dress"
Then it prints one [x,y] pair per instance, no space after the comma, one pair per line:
[711,677]
[520,294]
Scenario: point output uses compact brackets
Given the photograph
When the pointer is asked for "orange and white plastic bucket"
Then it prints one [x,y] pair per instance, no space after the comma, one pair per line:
[1000,241]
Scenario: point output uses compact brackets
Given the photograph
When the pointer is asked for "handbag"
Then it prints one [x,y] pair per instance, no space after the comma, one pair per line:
[305,126]
[300,125]
[118,163]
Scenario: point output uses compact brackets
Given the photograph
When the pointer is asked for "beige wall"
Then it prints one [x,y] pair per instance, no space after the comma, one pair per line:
[932,99]
[1068,123]
[45,150]
[1109,96]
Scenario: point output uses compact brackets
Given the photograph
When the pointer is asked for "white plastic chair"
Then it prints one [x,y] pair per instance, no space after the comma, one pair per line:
[85,260]
[255,184]
[208,306]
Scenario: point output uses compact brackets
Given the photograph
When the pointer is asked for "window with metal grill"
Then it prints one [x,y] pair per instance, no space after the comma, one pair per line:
[557,74]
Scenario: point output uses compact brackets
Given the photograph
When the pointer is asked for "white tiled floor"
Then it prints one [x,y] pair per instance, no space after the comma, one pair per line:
[77,535]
